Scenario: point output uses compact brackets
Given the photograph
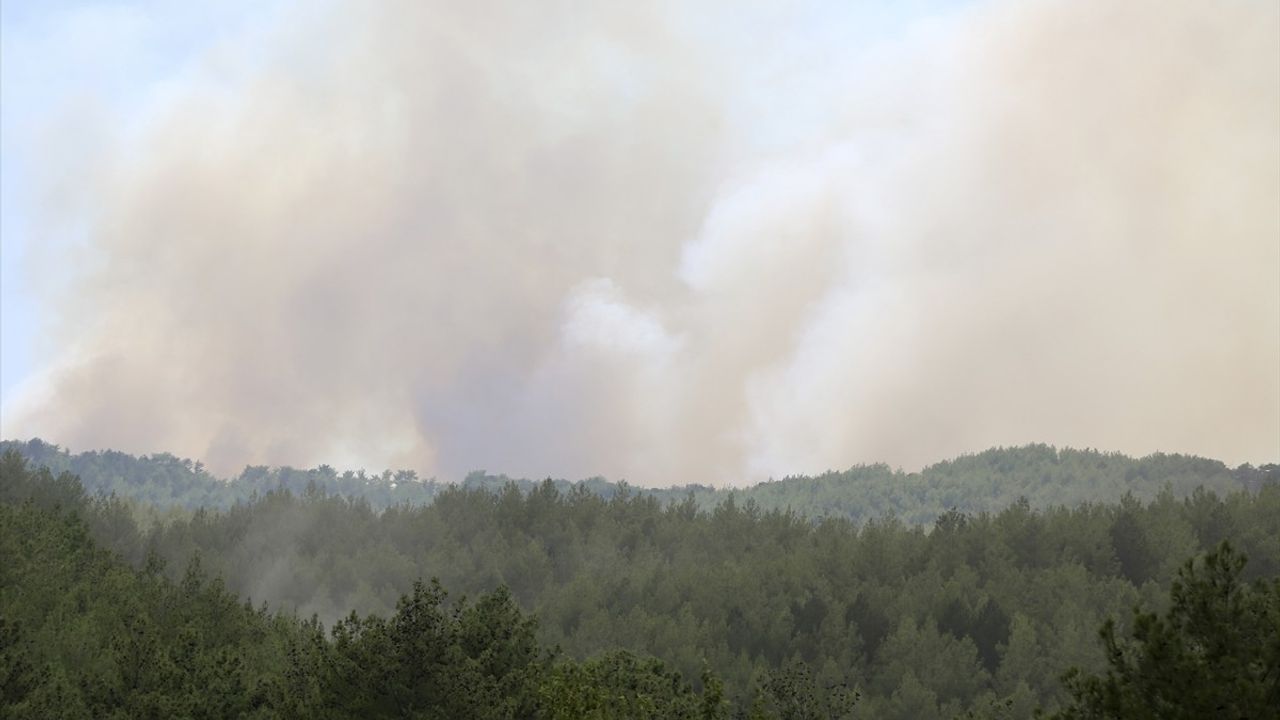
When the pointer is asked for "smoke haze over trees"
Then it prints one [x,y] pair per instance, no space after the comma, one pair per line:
[988,481]
[660,612]
[678,328]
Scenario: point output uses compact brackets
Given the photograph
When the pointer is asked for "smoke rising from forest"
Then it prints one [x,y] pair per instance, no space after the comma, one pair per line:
[636,240]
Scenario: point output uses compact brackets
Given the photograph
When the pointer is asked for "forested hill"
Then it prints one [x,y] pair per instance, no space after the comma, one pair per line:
[779,616]
[987,481]
[165,481]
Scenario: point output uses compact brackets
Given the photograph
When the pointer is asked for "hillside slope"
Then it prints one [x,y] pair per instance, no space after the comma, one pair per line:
[984,482]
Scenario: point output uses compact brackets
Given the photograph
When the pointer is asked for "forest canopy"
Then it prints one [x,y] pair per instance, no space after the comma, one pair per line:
[987,481]
[692,612]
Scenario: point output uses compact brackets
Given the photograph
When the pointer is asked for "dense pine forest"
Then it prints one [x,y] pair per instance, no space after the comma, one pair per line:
[600,600]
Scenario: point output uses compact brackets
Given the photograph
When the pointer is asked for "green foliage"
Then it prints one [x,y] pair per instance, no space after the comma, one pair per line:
[794,693]
[747,590]
[84,636]
[620,685]
[427,661]
[655,609]
[1215,653]
[987,481]
[163,481]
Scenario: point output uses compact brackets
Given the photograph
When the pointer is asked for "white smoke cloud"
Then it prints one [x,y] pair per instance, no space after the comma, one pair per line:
[608,241]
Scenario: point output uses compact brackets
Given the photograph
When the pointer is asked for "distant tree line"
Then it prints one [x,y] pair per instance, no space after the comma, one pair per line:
[988,481]
[667,609]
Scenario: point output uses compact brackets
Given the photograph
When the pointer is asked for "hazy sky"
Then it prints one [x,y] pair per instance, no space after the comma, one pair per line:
[666,241]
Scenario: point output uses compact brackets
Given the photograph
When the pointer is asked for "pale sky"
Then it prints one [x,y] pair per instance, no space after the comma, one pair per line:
[59,57]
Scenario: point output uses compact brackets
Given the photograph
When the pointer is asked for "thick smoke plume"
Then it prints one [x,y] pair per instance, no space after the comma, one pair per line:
[635,240]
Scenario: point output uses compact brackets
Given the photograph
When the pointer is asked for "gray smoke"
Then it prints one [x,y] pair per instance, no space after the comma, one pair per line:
[636,240]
